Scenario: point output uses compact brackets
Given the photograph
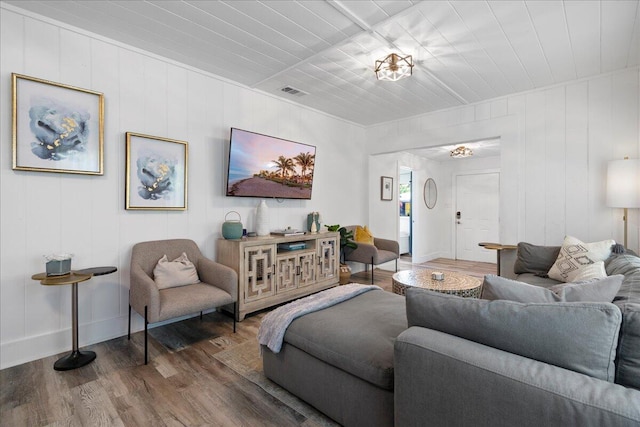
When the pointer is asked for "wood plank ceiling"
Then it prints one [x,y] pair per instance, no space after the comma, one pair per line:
[465,51]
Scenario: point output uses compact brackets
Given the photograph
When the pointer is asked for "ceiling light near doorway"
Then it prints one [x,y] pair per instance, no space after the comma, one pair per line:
[394,67]
[461,152]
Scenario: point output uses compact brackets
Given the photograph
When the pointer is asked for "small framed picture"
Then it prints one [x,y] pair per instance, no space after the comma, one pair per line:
[156,173]
[386,188]
[56,127]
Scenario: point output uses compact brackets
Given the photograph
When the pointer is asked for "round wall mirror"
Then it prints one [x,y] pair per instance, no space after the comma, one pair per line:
[430,193]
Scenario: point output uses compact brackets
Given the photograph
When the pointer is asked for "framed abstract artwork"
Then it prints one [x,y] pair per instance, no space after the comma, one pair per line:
[56,127]
[156,173]
[386,188]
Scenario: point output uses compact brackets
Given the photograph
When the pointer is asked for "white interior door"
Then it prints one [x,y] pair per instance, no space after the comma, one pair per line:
[477,207]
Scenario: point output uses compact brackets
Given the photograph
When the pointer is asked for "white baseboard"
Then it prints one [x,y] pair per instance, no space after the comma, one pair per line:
[37,347]
[419,259]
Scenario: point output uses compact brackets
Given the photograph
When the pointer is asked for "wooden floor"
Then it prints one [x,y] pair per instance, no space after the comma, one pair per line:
[184,383]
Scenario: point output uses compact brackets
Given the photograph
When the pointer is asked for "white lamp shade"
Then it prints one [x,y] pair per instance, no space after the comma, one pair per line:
[623,183]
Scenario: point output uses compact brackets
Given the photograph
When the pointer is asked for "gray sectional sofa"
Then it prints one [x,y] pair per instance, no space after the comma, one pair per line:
[433,359]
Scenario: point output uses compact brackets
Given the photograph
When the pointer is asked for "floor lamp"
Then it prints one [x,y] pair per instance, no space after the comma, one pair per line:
[623,187]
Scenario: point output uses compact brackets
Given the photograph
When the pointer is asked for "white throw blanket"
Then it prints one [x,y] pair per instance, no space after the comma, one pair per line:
[275,324]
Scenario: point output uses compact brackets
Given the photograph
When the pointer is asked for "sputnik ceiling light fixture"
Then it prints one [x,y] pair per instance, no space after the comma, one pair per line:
[394,67]
[461,152]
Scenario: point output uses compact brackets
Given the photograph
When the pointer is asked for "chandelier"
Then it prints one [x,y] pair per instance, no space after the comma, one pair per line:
[394,67]
[460,152]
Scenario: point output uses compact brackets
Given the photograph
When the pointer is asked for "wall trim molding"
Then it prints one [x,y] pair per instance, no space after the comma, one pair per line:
[59,342]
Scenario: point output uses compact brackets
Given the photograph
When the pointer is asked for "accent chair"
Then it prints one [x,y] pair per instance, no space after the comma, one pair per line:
[218,284]
[380,252]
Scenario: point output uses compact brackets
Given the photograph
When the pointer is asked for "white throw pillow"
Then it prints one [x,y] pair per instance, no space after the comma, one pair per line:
[575,254]
[179,272]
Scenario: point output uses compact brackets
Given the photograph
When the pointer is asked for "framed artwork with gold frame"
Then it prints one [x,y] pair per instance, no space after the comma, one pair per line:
[56,127]
[156,173]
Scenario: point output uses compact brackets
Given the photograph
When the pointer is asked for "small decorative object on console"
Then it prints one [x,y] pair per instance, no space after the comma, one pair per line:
[292,246]
[232,229]
[287,232]
[262,219]
[313,219]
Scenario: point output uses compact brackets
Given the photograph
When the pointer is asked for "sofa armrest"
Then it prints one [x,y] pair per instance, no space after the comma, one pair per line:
[442,379]
[218,275]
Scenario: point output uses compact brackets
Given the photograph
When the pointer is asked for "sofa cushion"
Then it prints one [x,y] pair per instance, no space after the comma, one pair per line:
[534,279]
[602,289]
[535,259]
[628,357]
[628,299]
[629,266]
[575,254]
[597,290]
[356,335]
[579,336]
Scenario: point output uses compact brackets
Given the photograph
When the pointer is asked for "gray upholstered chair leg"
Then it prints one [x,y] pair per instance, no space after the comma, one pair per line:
[146,323]
[200,315]
[396,264]
[129,329]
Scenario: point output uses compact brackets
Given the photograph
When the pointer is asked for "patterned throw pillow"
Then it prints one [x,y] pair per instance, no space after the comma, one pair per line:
[363,235]
[575,255]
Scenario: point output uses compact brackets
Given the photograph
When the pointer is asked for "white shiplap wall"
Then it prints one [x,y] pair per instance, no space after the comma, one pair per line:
[45,212]
[555,145]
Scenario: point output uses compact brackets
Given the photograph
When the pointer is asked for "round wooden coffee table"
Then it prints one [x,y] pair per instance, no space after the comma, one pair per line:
[454,283]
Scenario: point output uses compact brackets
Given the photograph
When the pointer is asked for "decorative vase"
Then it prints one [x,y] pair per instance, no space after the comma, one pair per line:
[262,219]
[313,218]
[345,274]
[232,229]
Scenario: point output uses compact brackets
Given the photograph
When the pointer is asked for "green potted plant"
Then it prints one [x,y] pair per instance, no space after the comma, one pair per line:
[346,241]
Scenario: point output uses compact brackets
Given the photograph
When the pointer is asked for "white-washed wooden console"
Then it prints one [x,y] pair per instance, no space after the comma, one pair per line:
[268,276]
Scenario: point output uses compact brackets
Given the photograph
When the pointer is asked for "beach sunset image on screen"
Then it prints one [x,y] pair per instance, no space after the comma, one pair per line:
[269,167]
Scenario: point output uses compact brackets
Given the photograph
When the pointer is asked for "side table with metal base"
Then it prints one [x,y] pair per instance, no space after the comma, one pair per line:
[76,359]
[497,247]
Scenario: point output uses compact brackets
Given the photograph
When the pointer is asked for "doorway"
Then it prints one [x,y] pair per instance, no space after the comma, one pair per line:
[477,214]
[405,201]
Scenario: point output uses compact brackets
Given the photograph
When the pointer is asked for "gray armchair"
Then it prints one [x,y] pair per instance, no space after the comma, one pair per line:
[382,250]
[218,284]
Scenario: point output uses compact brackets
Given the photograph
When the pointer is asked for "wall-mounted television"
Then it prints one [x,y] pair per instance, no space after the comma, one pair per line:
[269,167]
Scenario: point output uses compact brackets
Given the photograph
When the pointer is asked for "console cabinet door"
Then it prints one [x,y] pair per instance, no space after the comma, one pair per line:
[259,263]
[328,251]
[306,269]
[295,270]
[286,266]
